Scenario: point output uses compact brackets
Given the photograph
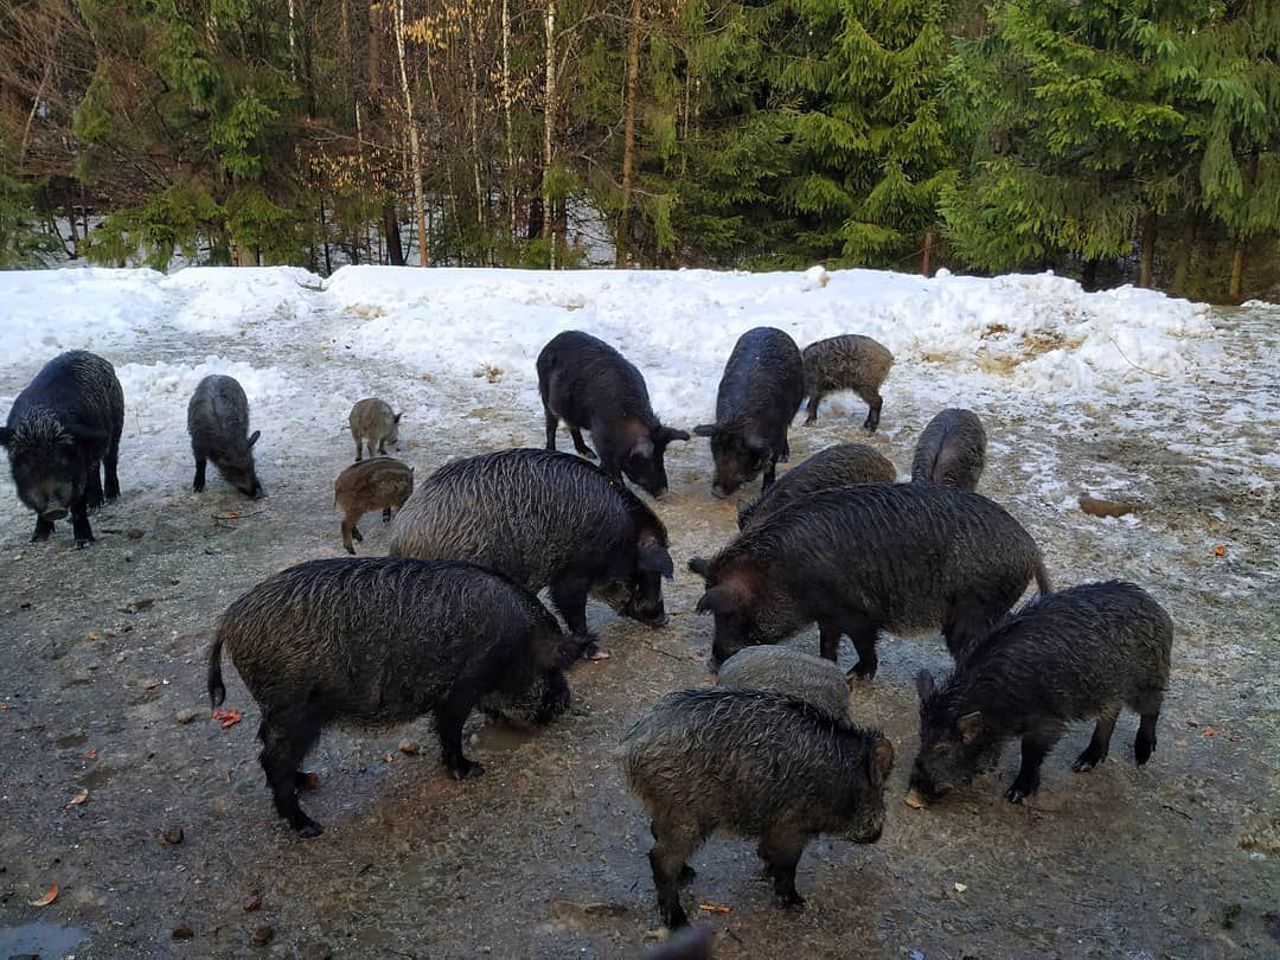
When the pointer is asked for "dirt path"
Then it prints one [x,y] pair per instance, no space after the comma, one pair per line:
[544,857]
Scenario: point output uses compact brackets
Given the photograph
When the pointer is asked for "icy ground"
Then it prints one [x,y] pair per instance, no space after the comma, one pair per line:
[1127,395]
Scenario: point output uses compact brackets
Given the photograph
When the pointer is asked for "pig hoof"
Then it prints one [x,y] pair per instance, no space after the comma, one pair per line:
[81,544]
[791,901]
[469,772]
[862,672]
[1017,794]
[308,828]
[1086,762]
[594,653]
[1142,750]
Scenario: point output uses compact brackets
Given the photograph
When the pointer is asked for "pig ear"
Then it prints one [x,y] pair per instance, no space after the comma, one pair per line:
[970,725]
[881,762]
[6,436]
[701,566]
[728,597]
[654,558]
[705,430]
[253,437]
[924,685]
[668,434]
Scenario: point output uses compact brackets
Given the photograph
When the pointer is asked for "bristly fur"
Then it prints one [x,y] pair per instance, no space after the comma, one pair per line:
[952,450]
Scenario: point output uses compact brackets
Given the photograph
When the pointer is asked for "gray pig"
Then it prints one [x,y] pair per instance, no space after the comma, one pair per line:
[812,679]
[757,764]
[374,423]
[952,450]
[847,362]
[378,484]
[218,421]
[838,466]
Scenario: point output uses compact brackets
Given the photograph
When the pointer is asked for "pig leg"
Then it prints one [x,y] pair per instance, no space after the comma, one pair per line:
[44,528]
[770,473]
[874,403]
[80,523]
[967,622]
[386,515]
[93,486]
[569,597]
[348,529]
[382,447]
[553,422]
[286,737]
[675,842]
[780,850]
[687,873]
[1036,744]
[450,716]
[581,445]
[829,634]
[857,626]
[811,410]
[1148,708]
[198,485]
[359,448]
[109,463]
[1100,745]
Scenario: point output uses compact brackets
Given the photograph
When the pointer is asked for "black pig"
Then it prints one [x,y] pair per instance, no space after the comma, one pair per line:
[1080,653]
[591,386]
[543,519]
[760,392]
[952,450]
[382,640]
[218,421]
[838,466]
[62,436]
[875,556]
[758,764]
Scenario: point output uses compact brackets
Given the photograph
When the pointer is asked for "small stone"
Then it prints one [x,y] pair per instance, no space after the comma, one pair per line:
[172,835]
[187,716]
[315,951]
[262,936]
[182,931]
[1096,507]
[252,902]
[409,747]
[135,533]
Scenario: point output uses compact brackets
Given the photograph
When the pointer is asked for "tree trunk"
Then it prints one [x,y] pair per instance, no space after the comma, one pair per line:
[1182,265]
[537,219]
[506,110]
[1147,249]
[548,126]
[415,152]
[1235,291]
[71,220]
[391,227]
[927,254]
[293,73]
[1089,275]
[473,121]
[623,240]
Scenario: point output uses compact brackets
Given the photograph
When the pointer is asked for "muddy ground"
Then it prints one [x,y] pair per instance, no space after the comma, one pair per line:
[102,657]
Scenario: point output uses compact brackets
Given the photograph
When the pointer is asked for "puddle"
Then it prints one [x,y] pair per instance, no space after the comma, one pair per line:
[40,938]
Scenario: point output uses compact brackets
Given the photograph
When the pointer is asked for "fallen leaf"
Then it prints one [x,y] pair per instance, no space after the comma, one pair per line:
[714,908]
[182,931]
[172,835]
[227,718]
[961,887]
[50,895]
[252,902]
[262,936]
[91,753]
[152,684]
[1210,732]
[1219,551]
[914,800]
[388,758]
[79,798]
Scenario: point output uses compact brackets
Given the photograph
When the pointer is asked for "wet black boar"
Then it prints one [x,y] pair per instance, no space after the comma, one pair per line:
[543,519]
[1078,654]
[591,386]
[757,764]
[838,466]
[218,421]
[62,436]
[847,362]
[382,483]
[952,450]
[373,425]
[760,392]
[382,640]
[859,559]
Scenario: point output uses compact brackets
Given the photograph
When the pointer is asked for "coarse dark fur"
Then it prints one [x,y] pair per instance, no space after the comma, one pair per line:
[805,677]
[381,483]
[760,392]
[692,943]
[847,362]
[901,557]
[63,437]
[382,640]
[374,423]
[218,421]
[952,450]
[544,519]
[591,386]
[756,764]
[1078,654]
[838,466]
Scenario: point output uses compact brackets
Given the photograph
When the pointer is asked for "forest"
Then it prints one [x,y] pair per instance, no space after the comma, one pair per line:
[1111,140]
